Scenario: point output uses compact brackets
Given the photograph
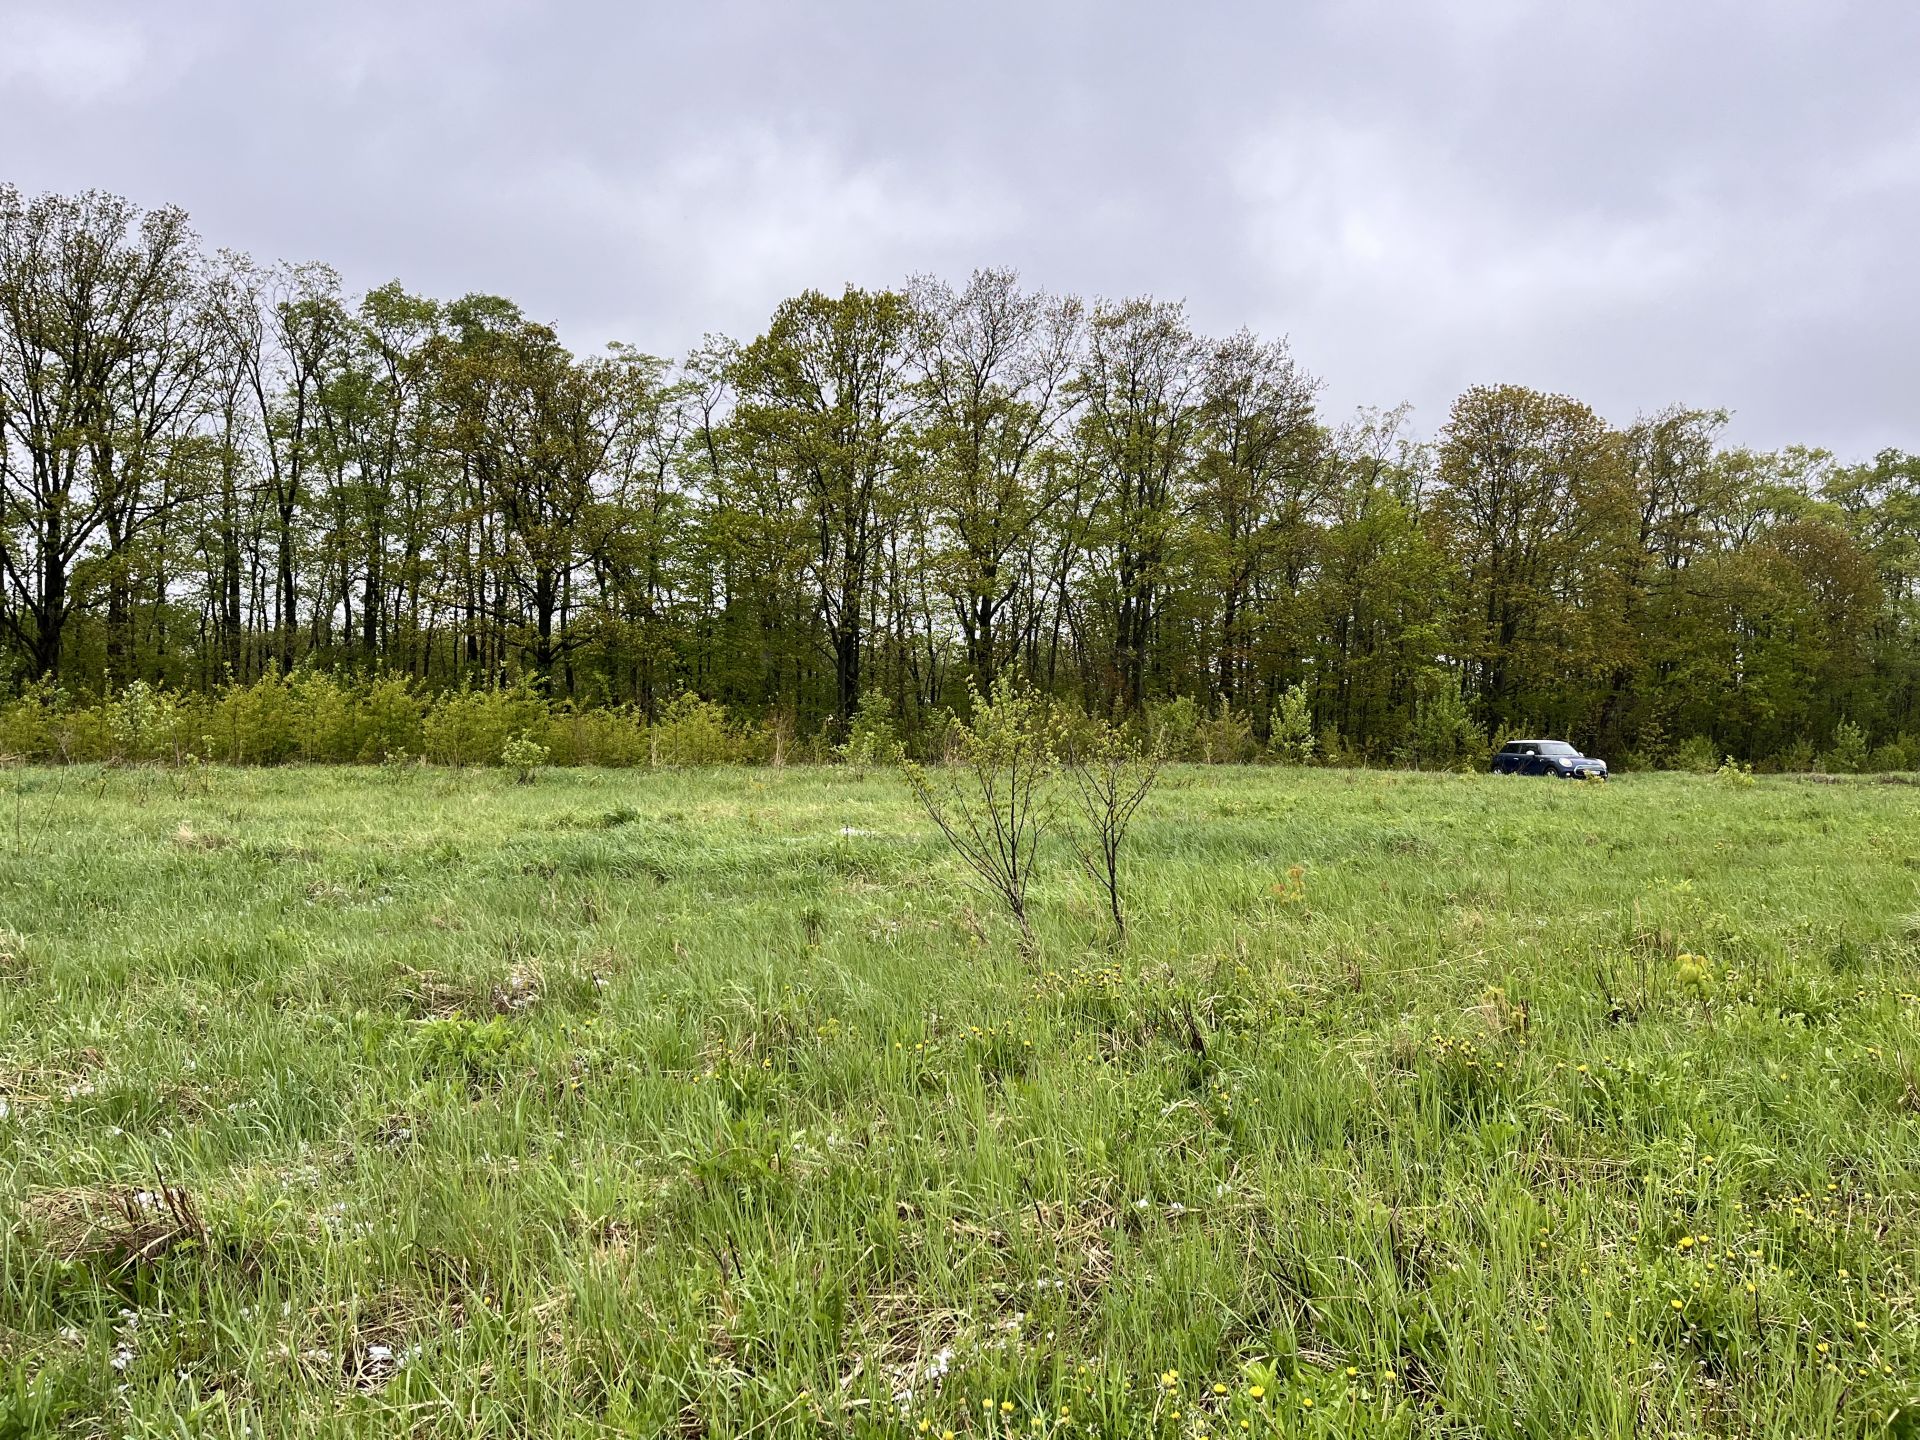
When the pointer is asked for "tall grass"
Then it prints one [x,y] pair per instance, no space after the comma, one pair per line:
[398,1100]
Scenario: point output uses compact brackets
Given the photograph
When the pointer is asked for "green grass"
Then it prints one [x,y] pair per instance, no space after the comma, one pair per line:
[713,1103]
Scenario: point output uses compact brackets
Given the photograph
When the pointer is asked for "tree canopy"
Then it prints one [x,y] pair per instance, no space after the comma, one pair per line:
[213,470]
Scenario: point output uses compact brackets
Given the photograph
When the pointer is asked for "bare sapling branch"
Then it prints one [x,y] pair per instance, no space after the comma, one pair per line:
[1111,774]
[990,800]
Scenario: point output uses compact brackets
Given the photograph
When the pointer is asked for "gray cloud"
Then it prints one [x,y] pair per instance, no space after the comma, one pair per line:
[1636,201]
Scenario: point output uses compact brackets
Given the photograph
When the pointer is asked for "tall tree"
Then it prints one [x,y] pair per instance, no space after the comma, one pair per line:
[1525,481]
[1259,478]
[995,364]
[102,355]
[1142,389]
[825,396]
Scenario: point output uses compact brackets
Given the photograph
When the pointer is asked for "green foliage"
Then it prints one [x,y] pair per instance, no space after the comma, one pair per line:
[471,727]
[873,737]
[145,724]
[1443,735]
[524,756]
[692,731]
[1733,773]
[1224,737]
[881,493]
[1110,773]
[1177,721]
[1848,753]
[1902,753]
[1336,751]
[480,1051]
[611,735]
[1292,737]
[1795,759]
[387,718]
[1696,755]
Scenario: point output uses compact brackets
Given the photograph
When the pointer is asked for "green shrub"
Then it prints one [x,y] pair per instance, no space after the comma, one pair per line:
[252,724]
[872,738]
[1443,735]
[1225,737]
[1334,749]
[145,724]
[1897,754]
[1697,755]
[615,736]
[1292,737]
[1733,773]
[387,719]
[471,727]
[1796,759]
[1176,720]
[29,725]
[1848,753]
[524,756]
[692,731]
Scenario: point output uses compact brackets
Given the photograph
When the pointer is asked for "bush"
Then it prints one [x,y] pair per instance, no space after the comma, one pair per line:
[871,738]
[1894,755]
[1225,737]
[1696,754]
[1443,735]
[1796,759]
[1651,749]
[252,724]
[471,727]
[692,731]
[318,717]
[524,756]
[1110,775]
[387,719]
[991,803]
[1176,720]
[1292,737]
[614,736]
[1733,773]
[145,724]
[27,725]
[1848,754]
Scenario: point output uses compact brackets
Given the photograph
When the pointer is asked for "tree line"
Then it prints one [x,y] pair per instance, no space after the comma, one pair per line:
[214,470]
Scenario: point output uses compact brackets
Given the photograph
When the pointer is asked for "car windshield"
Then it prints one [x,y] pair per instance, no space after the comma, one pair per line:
[1558,750]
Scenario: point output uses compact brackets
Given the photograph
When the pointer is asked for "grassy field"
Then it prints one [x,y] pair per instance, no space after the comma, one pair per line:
[713,1103]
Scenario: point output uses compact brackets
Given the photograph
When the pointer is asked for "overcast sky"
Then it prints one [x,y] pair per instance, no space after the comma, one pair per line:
[1638,202]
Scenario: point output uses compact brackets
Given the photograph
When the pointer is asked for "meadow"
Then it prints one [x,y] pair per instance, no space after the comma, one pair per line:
[413,1100]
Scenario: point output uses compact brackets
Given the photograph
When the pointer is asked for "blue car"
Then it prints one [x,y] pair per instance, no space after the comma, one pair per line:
[1547,757]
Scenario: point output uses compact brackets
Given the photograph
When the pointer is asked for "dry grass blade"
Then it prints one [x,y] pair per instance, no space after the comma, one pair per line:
[121,1227]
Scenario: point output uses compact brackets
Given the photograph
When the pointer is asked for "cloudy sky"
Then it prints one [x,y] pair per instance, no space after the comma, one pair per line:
[1635,201]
